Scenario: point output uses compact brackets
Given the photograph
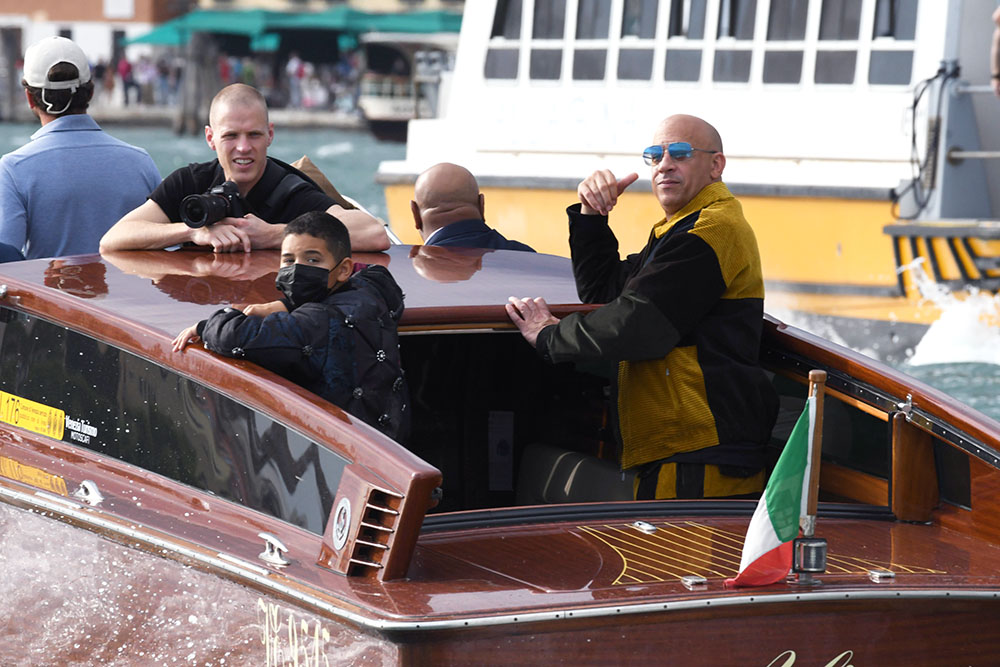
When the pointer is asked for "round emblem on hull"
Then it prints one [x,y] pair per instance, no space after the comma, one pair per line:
[341,523]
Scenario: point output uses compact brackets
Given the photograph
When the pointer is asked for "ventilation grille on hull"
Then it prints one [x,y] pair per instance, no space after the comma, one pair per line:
[378,522]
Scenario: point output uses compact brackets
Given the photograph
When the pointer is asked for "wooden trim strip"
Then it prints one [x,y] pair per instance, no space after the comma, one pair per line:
[854,484]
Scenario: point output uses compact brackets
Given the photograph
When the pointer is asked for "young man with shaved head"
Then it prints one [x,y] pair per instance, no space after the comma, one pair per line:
[449,210]
[275,193]
[682,321]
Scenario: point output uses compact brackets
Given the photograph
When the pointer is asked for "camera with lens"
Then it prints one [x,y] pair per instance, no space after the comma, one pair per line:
[222,201]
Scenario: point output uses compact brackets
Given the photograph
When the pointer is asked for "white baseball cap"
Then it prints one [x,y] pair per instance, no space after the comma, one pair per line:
[42,56]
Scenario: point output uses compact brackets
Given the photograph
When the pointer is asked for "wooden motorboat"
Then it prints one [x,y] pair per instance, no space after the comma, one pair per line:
[160,505]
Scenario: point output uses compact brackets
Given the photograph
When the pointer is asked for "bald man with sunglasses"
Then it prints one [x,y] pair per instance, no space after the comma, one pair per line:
[682,321]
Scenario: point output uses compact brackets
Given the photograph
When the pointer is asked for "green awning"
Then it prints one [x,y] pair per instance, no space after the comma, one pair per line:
[165,34]
[263,26]
[248,22]
[418,22]
[343,19]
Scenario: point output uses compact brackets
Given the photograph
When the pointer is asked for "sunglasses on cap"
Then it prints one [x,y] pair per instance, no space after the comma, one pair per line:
[678,151]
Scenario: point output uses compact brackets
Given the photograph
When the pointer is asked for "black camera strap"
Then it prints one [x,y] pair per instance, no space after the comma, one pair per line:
[293,181]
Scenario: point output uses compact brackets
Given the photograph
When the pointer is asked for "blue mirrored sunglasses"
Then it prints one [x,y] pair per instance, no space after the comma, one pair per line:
[678,151]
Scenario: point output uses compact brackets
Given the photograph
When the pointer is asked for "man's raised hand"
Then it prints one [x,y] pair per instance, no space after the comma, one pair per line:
[599,192]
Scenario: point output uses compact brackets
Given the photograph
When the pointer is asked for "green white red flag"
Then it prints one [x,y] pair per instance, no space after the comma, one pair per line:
[767,548]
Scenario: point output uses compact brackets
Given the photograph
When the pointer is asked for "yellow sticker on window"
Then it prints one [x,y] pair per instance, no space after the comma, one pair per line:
[32,416]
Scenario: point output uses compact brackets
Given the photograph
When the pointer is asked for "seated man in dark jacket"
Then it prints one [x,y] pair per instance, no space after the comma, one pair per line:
[334,333]
[682,322]
[449,210]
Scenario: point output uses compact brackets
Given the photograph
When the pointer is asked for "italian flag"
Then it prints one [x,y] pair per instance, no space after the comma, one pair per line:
[767,549]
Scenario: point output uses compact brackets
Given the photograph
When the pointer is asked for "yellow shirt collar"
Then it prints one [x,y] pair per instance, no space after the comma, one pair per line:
[711,193]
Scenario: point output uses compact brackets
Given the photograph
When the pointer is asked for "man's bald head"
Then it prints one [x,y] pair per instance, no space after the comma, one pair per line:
[444,194]
[703,134]
[676,181]
[237,94]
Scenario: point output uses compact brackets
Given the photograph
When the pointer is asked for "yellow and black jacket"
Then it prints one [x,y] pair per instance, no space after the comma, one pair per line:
[683,320]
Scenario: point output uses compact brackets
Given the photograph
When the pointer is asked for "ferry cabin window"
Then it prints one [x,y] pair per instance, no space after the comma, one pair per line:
[687,22]
[593,19]
[687,19]
[736,22]
[895,18]
[736,18]
[890,67]
[684,65]
[127,408]
[786,22]
[783,67]
[732,66]
[639,18]
[840,20]
[501,63]
[589,64]
[635,64]
[545,64]
[638,23]
[835,67]
[507,20]
[548,23]
[549,19]
[593,22]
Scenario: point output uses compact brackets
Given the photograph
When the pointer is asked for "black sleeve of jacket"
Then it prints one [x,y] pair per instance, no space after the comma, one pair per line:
[599,271]
[274,342]
[628,328]
[660,305]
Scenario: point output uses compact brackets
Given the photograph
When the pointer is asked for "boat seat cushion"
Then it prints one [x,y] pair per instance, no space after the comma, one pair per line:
[551,474]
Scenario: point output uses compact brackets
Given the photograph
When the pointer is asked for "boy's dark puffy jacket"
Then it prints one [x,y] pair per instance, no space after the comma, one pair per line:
[344,348]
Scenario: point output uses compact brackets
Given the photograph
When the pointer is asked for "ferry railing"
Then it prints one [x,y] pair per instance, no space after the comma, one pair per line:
[956,154]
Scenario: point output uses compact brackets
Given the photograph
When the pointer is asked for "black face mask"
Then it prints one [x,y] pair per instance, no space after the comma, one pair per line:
[301,283]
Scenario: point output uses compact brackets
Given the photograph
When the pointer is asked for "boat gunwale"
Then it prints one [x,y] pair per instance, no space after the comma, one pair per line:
[305,594]
[926,407]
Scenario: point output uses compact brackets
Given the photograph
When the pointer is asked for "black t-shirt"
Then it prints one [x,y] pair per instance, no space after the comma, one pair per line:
[199,177]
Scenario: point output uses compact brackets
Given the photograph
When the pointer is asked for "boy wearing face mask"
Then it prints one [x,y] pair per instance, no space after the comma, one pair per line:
[333,333]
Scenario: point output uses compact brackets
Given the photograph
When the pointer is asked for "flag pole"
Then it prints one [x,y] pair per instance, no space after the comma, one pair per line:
[809,551]
[817,385]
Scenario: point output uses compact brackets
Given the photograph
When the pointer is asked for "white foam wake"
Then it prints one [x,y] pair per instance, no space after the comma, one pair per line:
[968,330]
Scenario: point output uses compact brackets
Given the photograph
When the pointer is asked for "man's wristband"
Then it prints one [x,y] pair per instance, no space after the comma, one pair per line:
[995,76]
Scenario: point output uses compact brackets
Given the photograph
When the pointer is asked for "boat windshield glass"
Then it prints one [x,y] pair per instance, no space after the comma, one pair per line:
[71,387]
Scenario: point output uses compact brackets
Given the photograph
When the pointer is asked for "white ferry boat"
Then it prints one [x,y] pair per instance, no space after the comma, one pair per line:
[854,131]
[402,79]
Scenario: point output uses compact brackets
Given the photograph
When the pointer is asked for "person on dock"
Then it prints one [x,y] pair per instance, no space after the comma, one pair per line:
[60,192]
[682,321]
[449,210]
[271,193]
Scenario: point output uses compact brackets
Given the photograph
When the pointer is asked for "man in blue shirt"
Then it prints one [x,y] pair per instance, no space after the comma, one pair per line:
[449,210]
[60,192]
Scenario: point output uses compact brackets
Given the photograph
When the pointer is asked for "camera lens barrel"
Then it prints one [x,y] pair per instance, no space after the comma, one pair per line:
[203,210]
